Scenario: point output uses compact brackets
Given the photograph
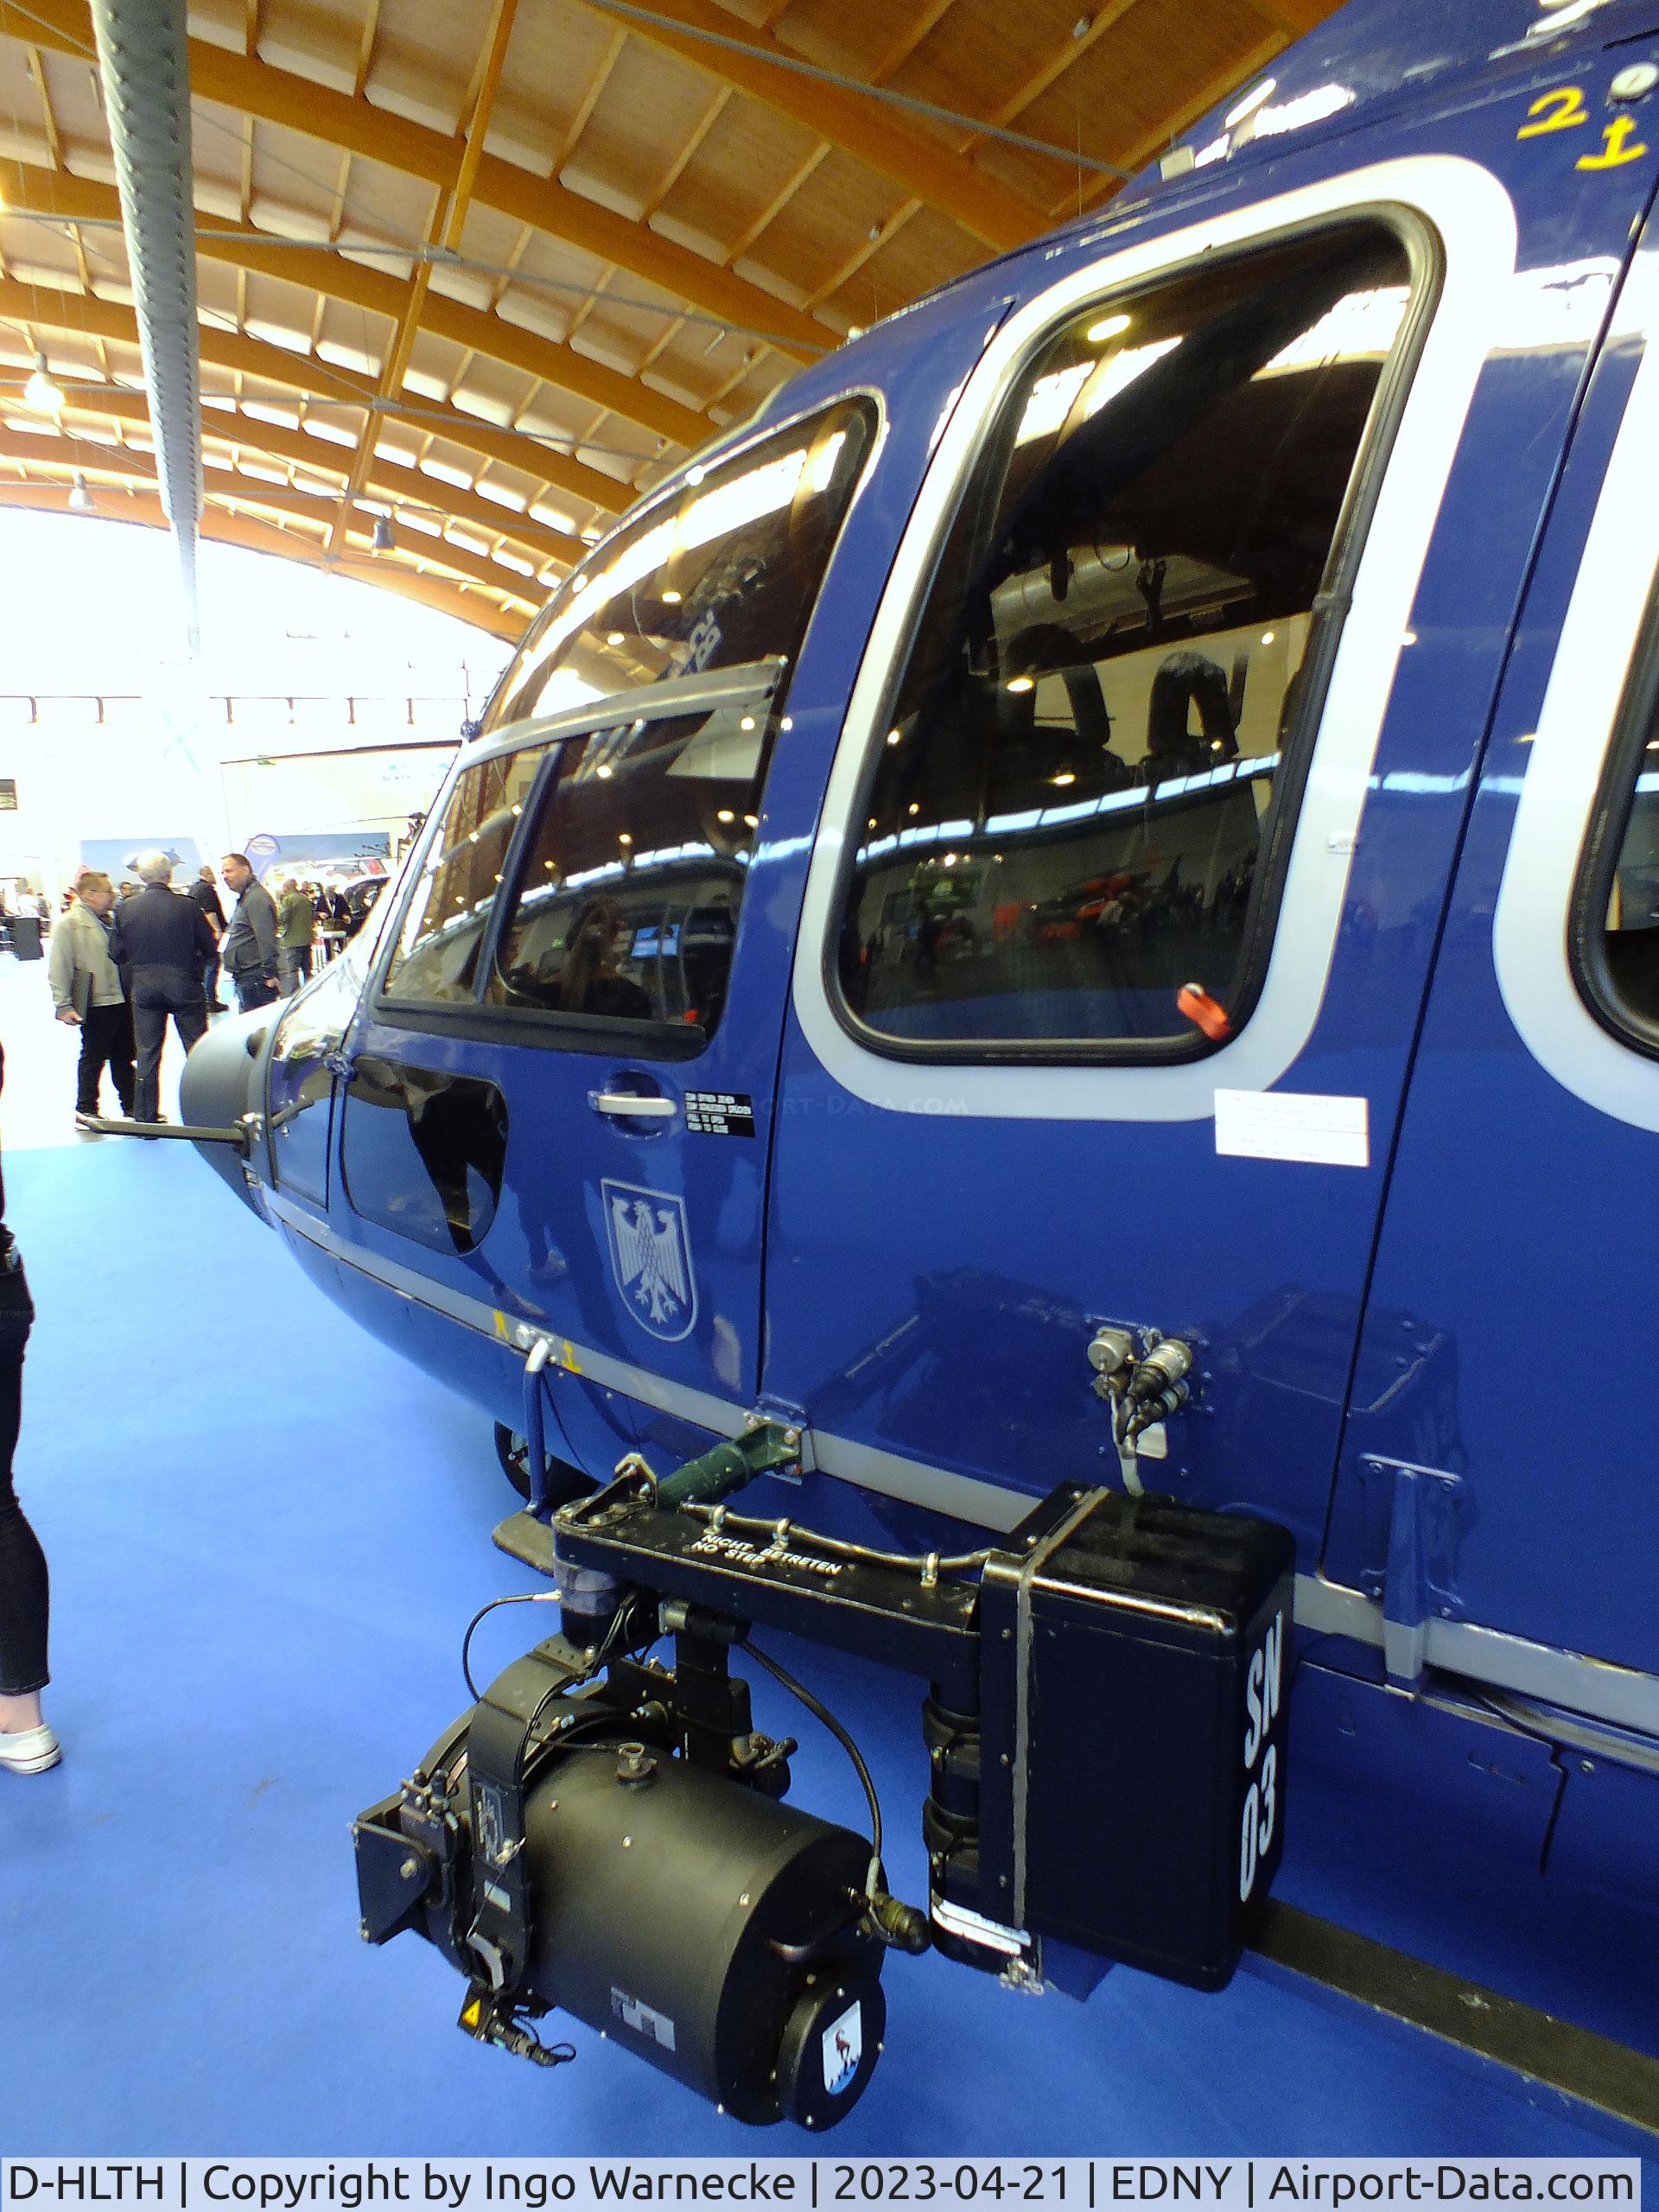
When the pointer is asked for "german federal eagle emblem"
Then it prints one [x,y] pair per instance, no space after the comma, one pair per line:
[651,1257]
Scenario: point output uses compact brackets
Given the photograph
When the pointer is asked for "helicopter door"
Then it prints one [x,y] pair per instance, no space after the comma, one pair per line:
[1119,927]
[553,1096]
[1520,1490]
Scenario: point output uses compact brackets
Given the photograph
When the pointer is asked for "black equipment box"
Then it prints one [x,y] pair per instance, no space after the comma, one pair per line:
[1133,1657]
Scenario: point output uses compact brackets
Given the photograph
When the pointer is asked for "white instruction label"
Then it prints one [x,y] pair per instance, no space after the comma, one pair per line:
[1293,1125]
[643,2018]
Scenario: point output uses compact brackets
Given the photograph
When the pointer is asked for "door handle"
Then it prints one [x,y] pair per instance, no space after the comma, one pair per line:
[642,1106]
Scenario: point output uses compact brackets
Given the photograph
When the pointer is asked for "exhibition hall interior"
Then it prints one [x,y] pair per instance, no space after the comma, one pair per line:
[829,985]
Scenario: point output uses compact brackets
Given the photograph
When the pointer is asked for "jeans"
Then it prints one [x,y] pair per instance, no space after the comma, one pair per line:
[106,1042]
[253,990]
[157,992]
[24,1589]
[210,979]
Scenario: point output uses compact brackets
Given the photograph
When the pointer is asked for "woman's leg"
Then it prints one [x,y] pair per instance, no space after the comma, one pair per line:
[24,1587]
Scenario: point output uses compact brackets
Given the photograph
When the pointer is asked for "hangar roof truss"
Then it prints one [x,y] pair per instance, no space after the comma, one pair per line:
[490,268]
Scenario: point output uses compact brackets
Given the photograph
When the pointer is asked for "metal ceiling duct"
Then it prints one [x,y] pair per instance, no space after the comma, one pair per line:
[143,58]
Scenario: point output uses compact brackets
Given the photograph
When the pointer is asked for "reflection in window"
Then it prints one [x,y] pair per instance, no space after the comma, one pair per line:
[1064,821]
[1629,941]
[435,958]
[299,1085]
[424,1152]
[722,572]
[628,894]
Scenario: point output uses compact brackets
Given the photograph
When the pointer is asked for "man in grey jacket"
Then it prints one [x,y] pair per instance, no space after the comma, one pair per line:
[87,993]
[248,951]
[160,942]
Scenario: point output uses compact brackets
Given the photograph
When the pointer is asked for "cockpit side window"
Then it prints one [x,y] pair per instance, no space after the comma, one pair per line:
[722,572]
[628,891]
[1094,745]
[1614,932]
[434,960]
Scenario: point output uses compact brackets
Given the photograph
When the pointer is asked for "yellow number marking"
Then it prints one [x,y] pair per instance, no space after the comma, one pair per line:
[1615,147]
[1561,110]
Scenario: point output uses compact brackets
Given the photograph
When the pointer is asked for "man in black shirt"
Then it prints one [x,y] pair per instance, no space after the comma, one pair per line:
[162,943]
[206,894]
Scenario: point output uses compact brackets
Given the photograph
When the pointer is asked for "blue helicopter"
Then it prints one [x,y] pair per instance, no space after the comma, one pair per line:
[1048,962]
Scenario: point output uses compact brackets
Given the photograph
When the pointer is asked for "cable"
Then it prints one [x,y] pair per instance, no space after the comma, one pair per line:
[928,1564]
[444,258]
[873,1880]
[860,85]
[528,1598]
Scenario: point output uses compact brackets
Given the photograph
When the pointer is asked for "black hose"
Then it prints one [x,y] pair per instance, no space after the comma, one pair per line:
[821,1713]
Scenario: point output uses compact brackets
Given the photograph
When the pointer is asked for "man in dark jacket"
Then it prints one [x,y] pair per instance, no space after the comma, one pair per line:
[162,943]
[248,951]
[205,892]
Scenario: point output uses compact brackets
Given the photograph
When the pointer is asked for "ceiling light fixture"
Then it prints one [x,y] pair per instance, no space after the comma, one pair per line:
[384,538]
[81,500]
[40,392]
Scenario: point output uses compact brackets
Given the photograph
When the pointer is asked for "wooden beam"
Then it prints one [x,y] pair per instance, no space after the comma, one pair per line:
[869,129]
[336,119]
[448,236]
[143,508]
[255,357]
[315,269]
[921,26]
[67,454]
[1050,72]
[1162,134]
[388,484]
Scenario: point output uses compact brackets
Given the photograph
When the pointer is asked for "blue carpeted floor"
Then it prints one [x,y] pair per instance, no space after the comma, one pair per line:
[266,1535]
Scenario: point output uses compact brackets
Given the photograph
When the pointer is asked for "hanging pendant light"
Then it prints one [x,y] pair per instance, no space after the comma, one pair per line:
[40,392]
[385,542]
[81,500]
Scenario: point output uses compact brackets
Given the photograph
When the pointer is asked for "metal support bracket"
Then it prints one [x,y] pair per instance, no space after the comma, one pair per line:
[1422,1547]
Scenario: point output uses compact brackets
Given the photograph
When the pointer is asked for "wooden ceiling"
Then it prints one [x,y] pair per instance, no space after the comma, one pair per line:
[493,266]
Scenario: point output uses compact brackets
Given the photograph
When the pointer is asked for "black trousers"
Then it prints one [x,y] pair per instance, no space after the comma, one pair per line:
[25,1590]
[156,993]
[252,990]
[106,1042]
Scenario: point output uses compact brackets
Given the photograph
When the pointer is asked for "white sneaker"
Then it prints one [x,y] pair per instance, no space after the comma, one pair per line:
[30,1751]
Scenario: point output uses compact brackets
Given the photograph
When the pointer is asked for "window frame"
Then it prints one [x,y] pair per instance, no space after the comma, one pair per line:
[746,682]
[1425,277]
[758,429]
[1636,720]
[1469,211]
[1560,805]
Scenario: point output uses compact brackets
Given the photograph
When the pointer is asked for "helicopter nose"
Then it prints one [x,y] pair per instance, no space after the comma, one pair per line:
[218,1087]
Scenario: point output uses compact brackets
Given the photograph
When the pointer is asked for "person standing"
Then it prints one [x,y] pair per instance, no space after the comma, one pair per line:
[249,951]
[27,1745]
[297,924]
[205,892]
[160,942]
[87,993]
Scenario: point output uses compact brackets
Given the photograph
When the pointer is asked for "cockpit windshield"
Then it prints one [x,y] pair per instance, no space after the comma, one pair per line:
[724,570]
